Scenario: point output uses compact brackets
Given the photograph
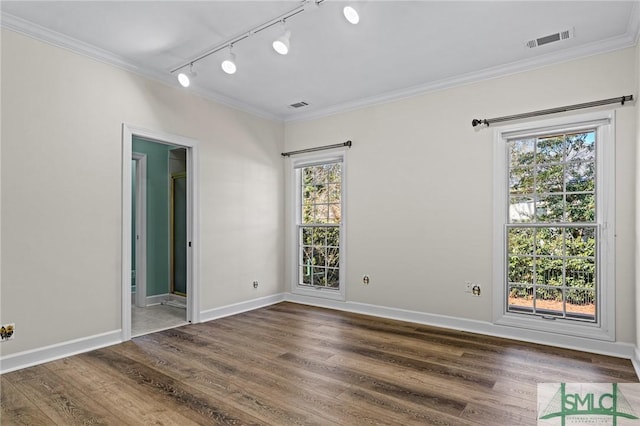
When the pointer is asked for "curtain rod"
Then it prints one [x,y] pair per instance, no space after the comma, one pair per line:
[622,99]
[318,148]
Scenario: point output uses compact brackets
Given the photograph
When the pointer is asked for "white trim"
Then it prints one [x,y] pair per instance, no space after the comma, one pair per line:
[62,350]
[193,211]
[616,349]
[338,155]
[604,122]
[63,41]
[156,299]
[635,360]
[37,356]
[240,307]
[141,228]
[597,48]
[46,35]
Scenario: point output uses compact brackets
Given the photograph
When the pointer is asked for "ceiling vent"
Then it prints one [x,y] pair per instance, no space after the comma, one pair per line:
[551,38]
[298,105]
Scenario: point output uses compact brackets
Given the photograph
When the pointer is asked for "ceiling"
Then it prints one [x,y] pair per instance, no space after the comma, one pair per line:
[398,49]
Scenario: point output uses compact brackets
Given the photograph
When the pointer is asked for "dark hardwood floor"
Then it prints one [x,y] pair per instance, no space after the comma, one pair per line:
[291,364]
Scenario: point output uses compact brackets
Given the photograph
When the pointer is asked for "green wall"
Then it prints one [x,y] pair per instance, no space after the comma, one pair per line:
[158,194]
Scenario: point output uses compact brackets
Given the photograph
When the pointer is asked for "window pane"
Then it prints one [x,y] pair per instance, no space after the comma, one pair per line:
[307,236]
[521,180]
[581,208]
[520,270]
[549,301]
[550,150]
[319,277]
[334,192]
[581,242]
[520,241]
[307,213]
[334,173]
[334,212]
[550,208]
[520,298]
[521,152]
[333,278]
[333,257]
[549,271]
[580,176]
[332,236]
[581,273]
[581,303]
[581,146]
[549,178]
[319,236]
[521,209]
[549,241]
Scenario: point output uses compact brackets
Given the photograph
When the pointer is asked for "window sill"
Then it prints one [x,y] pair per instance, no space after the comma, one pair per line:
[324,293]
[556,326]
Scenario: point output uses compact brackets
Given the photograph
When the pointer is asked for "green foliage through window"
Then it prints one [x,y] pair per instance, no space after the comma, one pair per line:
[319,230]
[552,233]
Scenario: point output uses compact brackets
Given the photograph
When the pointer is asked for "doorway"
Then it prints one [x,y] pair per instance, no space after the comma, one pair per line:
[159,258]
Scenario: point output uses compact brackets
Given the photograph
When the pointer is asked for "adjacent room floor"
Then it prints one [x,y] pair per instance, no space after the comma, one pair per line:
[155,318]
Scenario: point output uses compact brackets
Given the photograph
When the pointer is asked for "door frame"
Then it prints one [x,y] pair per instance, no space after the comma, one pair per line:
[193,213]
[172,227]
[141,228]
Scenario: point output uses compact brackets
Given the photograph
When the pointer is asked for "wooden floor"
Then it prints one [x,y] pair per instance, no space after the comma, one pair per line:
[292,364]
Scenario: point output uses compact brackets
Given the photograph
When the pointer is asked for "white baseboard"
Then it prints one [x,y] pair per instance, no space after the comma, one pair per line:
[50,353]
[237,308]
[635,360]
[37,356]
[617,349]
[157,299]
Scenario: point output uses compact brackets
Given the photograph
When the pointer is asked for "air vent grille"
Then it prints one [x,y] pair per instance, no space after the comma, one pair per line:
[551,38]
[299,104]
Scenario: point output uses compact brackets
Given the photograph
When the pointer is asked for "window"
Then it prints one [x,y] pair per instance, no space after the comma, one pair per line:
[555,227]
[319,226]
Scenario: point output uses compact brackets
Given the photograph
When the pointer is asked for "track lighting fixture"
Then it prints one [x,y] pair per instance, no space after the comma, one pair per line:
[351,14]
[185,77]
[229,64]
[281,44]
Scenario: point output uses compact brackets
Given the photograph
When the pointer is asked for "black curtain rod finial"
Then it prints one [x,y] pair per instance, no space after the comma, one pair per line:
[475,122]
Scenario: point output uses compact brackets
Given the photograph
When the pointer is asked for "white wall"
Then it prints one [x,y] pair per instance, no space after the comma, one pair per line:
[420,207]
[61,191]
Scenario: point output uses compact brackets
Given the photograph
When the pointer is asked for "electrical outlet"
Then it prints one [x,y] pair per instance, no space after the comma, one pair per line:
[366,280]
[255,284]
[475,290]
[7,332]
[468,286]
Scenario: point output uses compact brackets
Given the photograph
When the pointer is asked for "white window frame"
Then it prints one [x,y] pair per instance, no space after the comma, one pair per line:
[604,124]
[298,162]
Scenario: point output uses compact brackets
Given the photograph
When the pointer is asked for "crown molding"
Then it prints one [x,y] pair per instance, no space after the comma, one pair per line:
[57,39]
[605,46]
[629,39]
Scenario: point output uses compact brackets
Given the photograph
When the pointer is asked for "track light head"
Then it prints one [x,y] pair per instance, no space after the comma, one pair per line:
[229,64]
[185,77]
[351,14]
[281,44]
